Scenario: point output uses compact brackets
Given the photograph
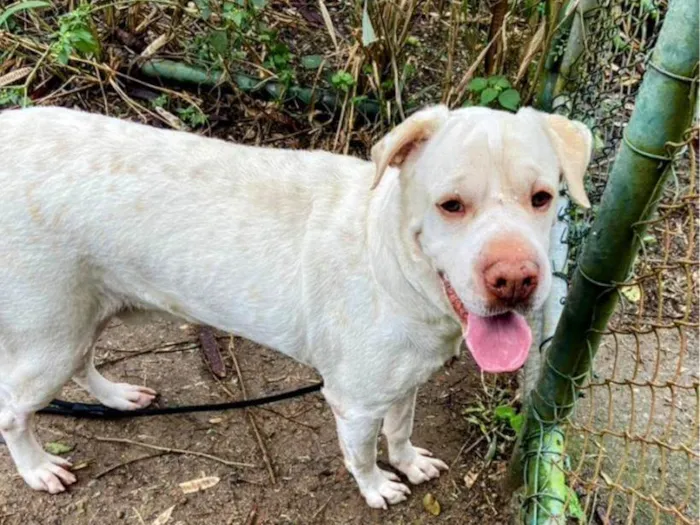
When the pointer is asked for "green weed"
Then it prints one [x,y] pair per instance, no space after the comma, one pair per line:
[192,116]
[13,97]
[494,92]
[75,35]
[342,81]
[240,33]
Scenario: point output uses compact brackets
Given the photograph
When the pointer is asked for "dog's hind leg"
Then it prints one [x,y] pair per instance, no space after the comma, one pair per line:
[122,396]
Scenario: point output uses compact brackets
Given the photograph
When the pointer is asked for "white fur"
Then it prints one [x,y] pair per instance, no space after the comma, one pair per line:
[290,249]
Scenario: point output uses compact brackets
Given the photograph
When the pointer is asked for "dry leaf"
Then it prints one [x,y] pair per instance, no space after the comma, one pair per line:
[606,478]
[431,504]
[533,48]
[195,485]
[470,478]
[57,449]
[329,23]
[154,46]
[171,119]
[164,517]
[633,293]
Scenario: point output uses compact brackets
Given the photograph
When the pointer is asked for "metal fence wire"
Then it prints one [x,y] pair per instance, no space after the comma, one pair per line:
[632,450]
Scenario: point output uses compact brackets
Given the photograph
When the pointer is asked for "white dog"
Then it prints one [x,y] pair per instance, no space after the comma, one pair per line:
[371,272]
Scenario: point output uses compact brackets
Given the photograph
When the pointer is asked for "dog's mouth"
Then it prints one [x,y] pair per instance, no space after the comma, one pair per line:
[498,343]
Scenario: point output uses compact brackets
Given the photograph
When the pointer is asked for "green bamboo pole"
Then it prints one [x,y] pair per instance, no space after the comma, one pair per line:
[662,114]
[169,70]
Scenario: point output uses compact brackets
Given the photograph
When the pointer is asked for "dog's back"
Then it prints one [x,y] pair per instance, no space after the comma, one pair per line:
[124,214]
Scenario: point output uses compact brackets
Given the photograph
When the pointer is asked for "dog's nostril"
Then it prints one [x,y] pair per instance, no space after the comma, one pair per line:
[527,281]
[500,282]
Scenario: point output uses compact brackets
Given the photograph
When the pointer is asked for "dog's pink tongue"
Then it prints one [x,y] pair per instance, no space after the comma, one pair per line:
[499,343]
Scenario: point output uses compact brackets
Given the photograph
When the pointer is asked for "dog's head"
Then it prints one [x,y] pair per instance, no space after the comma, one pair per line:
[478,190]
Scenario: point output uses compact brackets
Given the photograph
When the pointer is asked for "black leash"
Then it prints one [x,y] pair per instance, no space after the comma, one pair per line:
[59,407]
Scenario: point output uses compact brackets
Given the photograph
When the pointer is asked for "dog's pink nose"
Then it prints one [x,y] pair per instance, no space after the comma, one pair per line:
[512,282]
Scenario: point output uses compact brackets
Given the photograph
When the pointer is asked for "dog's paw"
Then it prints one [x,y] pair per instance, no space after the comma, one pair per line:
[418,465]
[50,476]
[384,489]
[123,396]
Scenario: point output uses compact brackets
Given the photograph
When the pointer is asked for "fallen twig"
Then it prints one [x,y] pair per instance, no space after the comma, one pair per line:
[472,447]
[169,450]
[261,444]
[125,463]
[320,510]
[279,414]
[162,349]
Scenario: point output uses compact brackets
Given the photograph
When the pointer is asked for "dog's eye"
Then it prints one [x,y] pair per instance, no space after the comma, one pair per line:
[453,206]
[541,199]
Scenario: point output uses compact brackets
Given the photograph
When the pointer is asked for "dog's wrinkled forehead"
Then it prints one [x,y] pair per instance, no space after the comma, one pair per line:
[491,150]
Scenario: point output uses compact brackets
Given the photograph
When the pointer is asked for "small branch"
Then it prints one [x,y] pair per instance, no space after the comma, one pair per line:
[320,510]
[500,9]
[261,444]
[125,463]
[279,414]
[163,349]
[168,450]
[471,447]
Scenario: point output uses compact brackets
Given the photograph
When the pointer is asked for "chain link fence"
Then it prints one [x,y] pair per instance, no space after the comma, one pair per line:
[632,442]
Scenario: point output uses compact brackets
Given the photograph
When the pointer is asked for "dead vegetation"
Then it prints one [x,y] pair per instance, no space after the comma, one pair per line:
[298,73]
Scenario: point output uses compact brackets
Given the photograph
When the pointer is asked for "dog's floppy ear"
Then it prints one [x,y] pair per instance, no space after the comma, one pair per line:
[406,138]
[573,143]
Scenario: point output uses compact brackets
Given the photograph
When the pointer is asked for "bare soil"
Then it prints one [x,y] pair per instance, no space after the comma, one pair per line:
[122,482]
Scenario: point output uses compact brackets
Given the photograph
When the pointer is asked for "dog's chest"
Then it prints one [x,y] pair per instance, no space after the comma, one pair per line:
[419,350]
[439,342]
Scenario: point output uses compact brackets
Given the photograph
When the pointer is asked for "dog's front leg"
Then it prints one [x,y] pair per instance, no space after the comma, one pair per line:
[358,441]
[416,463]
[41,470]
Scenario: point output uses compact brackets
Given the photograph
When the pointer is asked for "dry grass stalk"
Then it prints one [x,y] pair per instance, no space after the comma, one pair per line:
[533,47]
[329,23]
[457,94]
[15,76]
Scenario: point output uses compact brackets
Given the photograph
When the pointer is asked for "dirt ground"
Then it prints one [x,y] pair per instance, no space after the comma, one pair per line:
[122,482]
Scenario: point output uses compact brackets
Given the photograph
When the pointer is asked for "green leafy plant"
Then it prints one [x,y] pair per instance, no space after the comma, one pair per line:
[507,413]
[574,510]
[498,424]
[342,81]
[161,101]
[192,116]
[495,91]
[76,35]
[240,33]
[278,57]
[311,61]
[6,14]
[13,97]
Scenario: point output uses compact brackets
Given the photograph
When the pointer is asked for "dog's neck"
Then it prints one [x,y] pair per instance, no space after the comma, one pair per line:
[406,277]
